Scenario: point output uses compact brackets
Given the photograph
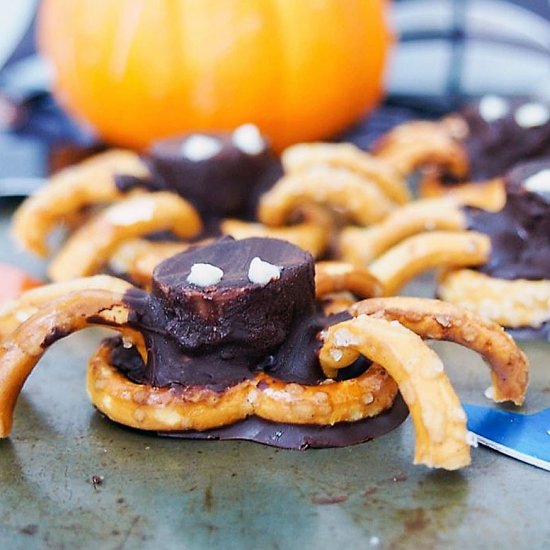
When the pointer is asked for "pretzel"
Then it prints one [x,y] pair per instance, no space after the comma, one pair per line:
[13,313]
[309,235]
[199,408]
[332,276]
[425,251]
[90,247]
[69,191]
[360,199]
[488,195]
[137,258]
[302,157]
[511,303]
[415,144]
[438,418]
[22,350]
[362,245]
[437,320]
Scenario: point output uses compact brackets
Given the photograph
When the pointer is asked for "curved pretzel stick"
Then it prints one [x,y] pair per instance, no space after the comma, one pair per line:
[70,190]
[199,408]
[303,156]
[437,320]
[489,195]
[438,418]
[90,247]
[426,251]
[340,189]
[139,257]
[308,235]
[362,245]
[26,345]
[517,303]
[334,276]
[15,312]
[414,144]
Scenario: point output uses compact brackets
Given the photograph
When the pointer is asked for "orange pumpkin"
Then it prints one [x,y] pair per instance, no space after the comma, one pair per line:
[137,70]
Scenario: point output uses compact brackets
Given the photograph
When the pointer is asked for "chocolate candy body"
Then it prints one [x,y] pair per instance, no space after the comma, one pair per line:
[220,186]
[236,311]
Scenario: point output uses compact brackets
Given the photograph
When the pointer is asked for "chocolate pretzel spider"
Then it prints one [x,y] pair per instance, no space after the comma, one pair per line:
[231,331]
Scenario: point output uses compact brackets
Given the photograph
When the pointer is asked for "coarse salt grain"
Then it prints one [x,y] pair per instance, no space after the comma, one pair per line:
[204,275]
[261,273]
[248,139]
[200,147]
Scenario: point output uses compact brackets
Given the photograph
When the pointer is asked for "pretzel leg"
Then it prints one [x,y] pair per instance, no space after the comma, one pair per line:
[15,312]
[91,246]
[362,245]
[426,251]
[73,312]
[438,418]
[91,182]
[437,320]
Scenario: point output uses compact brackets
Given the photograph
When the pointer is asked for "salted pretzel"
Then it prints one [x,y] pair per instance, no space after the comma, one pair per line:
[90,247]
[401,359]
[68,192]
[304,156]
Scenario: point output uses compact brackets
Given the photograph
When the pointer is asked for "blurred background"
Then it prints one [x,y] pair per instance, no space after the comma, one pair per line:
[448,52]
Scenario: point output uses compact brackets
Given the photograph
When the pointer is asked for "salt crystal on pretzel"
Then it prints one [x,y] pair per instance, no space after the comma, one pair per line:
[91,246]
[304,156]
[69,191]
[438,417]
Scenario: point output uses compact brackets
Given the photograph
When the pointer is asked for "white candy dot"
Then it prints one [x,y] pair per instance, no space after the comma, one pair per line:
[493,107]
[204,275]
[199,147]
[539,182]
[261,272]
[248,139]
[532,115]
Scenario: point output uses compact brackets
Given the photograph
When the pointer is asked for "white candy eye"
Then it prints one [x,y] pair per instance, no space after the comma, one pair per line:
[199,147]
[532,115]
[539,182]
[493,107]
[248,139]
[204,275]
[261,272]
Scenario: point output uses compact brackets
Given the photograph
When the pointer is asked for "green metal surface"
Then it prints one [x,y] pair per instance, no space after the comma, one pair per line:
[72,479]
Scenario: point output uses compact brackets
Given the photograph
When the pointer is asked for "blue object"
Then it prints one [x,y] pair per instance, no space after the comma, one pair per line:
[525,437]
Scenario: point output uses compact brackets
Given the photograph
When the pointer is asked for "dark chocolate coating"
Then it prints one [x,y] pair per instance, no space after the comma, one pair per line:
[520,232]
[303,436]
[227,184]
[495,147]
